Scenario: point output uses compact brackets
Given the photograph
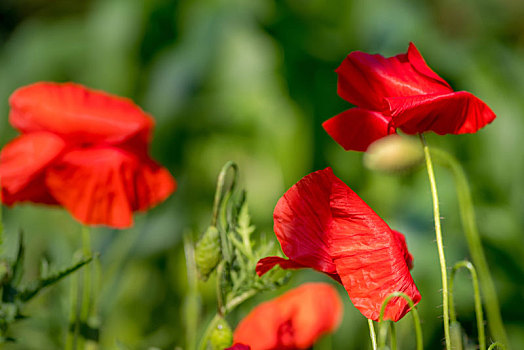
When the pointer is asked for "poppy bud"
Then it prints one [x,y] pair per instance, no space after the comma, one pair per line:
[208,252]
[221,336]
[393,154]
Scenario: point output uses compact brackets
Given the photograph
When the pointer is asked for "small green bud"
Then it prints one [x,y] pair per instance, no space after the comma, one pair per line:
[208,253]
[393,154]
[221,336]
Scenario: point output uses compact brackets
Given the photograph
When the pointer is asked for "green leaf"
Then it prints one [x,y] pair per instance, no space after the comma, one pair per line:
[29,291]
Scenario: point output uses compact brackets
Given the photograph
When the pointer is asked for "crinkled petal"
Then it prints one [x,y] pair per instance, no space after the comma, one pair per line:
[78,114]
[301,221]
[357,128]
[404,247]
[365,80]
[23,162]
[454,113]
[368,256]
[321,223]
[266,264]
[294,320]
[104,186]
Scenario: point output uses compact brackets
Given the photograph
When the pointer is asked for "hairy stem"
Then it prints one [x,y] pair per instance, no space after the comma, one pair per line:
[414,312]
[478,302]
[467,215]
[440,245]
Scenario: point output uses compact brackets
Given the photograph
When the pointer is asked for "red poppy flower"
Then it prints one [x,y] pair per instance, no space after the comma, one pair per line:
[83,149]
[399,92]
[294,320]
[322,224]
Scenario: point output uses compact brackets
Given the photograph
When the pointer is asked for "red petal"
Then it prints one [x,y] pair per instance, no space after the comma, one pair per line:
[266,264]
[105,185]
[22,163]
[404,247]
[321,223]
[357,128]
[365,80]
[295,320]
[78,114]
[455,113]
[301,221]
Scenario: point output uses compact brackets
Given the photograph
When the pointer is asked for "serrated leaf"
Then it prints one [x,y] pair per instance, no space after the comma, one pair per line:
[29,291]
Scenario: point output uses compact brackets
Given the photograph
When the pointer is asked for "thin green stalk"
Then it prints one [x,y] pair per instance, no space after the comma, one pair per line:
[72,327]
[372,335]
[230,306]
[191,308]
[414,312]
[467,215]
[86,287]
[440,245]
[392,336]
[497,344]
[478,301]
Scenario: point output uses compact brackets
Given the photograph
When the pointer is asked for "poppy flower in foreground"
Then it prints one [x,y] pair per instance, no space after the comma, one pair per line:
[294,320]
[399,92]
[322,224]
[83,149]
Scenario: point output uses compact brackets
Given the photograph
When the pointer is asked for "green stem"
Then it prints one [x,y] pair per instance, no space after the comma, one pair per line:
[478,302]
[191,307]
[393,336]
[372,334]
[414,312]
[230,306]
[497,344]
[467,215]
[440,246]
[86,287]
[72,327]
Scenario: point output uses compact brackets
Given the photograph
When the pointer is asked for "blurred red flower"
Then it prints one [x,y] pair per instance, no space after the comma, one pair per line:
[83,149]
[399,92]
[322,224]
[294,320]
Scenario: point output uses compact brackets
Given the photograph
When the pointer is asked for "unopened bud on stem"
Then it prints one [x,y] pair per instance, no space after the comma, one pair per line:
[393,154]
[208,253]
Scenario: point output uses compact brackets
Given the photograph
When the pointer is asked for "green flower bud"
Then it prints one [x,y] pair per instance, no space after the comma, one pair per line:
[208,253]
[221,336]
[393,154]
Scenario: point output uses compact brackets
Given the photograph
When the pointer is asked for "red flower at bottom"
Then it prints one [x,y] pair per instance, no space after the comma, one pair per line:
[294,320]
[322,224]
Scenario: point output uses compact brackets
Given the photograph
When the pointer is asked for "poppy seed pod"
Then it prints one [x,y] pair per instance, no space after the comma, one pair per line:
[393,154]
[208,252]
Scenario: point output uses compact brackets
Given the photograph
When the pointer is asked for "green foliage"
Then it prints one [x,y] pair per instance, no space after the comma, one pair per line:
[15,294]
[237,279]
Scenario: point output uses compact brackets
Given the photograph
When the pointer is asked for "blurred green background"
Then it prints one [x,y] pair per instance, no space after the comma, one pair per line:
[252,81]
